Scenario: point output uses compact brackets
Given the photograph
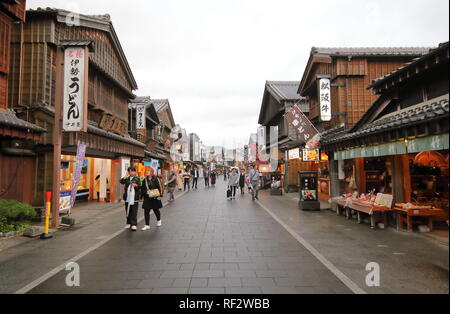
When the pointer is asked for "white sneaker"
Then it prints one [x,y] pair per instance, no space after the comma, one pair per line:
[127,226]
[146,228]
[159,224]
[134,228]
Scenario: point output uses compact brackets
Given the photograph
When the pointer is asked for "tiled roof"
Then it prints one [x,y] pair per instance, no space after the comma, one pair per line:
[94,129]
[9,119]
[372,51]
[410,65]
[159,103]
[409,116]
[287,90]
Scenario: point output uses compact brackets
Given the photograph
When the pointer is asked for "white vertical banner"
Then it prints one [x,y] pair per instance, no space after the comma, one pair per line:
[75,89]
[141,120]
[325,100]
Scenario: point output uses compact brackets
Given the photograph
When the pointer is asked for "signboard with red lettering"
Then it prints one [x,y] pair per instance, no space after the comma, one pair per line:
[75,89]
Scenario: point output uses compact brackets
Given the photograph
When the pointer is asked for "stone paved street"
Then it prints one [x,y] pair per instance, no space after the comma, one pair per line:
[206,245]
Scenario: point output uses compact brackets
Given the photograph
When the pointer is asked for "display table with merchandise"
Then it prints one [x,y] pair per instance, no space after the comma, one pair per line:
[377,213]
[411,215]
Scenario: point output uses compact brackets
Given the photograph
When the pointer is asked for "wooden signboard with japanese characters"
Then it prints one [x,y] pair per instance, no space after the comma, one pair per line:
[75,110]
[325,99]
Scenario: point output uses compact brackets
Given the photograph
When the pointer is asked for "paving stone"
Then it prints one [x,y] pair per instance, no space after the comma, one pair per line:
[240,274]
[202,291]
[208,274]
[224,282]
[258,282]
[243,291]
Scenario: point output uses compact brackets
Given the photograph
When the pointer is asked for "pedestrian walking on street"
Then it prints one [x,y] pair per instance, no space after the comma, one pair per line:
[195,176]
[225,172]
[131,196]
[213,178]
[187,180]
[233,183]
[171,185]
[206,175]
[242,177]
[152,193]
[254,177]
[180,180]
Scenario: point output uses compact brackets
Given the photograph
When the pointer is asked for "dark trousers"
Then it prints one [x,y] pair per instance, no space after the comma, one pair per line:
[195,183]
[207,182]
[147,215]
[187,184]
[233,191]
[132,218]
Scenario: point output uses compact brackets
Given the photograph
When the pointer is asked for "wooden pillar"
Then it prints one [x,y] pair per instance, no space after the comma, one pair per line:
[406,178]
[360,175]
[112,182]
[91,179]
[57,137]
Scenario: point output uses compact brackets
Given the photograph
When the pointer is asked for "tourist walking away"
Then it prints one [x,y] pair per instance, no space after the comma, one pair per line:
[195,176]
[233,183]
[171,185]
[131,196]
[242,177]
[206,175]
[187,180]
[213,178]
[254,177]
[152,193]
[180,180]
[225,172]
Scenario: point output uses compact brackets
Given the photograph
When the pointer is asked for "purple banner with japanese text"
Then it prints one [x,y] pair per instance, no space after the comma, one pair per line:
[81,154]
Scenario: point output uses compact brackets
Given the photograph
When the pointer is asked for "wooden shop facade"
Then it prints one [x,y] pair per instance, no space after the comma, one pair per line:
[32,80]
[400,145]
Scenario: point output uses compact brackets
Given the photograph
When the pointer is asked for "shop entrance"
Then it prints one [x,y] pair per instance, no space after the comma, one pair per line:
[95,180]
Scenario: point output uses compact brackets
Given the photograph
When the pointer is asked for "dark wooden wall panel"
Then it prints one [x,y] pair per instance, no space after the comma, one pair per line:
[16,178]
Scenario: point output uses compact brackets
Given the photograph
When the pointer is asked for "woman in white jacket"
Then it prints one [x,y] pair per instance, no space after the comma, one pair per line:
[233,182]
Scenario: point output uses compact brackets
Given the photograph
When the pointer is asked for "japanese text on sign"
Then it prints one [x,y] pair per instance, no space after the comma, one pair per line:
[75,104]
[304,128]
[325,100]
[140,117]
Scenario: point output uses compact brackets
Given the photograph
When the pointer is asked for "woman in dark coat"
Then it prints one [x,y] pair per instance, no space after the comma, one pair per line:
[213,178]
[242,181]
[151,182]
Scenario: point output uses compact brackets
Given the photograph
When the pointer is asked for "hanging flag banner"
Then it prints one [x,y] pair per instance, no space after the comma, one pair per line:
[140,117]
[155,165]
[304,128]
[75,89]
[79,163]
[325,99]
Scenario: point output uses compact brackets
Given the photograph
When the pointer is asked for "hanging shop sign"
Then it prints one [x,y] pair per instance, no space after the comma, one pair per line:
[294,154]
[424,144]
[141,117]
[429,143]
[325,99]
[75,89]
[113,124]
[311,155]
[304,128]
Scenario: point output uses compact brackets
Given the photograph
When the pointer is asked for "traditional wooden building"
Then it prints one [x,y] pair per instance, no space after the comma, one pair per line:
[18,137]
[279,98]
[111,83]
[167,125]
[349,72]
[400,145]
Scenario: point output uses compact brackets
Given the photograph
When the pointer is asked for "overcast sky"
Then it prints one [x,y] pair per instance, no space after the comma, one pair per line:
[211,58]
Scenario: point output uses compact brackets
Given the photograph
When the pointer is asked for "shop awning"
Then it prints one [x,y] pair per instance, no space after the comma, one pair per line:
[429,143]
